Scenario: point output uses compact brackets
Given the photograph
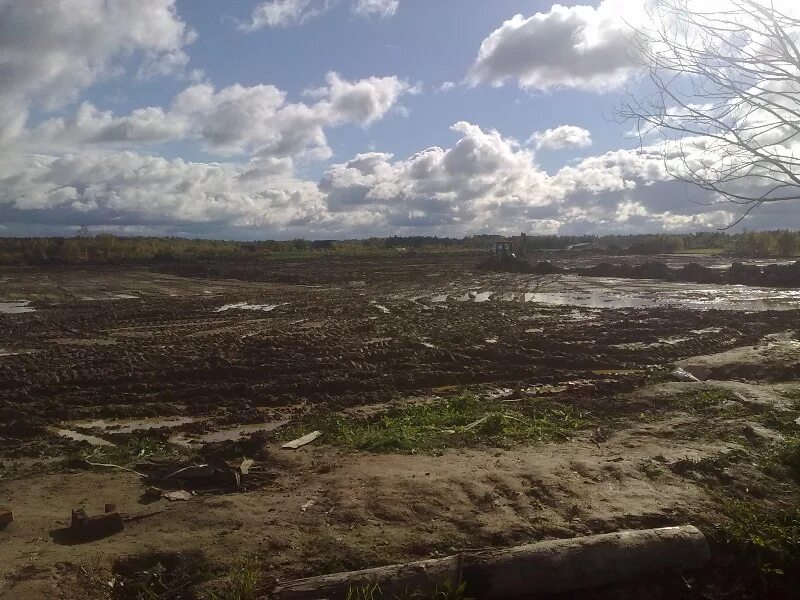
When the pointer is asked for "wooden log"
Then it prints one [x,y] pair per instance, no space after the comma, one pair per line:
[543,568]
[84,528]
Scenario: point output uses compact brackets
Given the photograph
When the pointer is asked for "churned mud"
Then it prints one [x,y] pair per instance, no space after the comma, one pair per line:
[216,364]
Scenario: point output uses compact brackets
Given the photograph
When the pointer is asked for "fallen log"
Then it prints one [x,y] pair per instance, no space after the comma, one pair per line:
[537,569]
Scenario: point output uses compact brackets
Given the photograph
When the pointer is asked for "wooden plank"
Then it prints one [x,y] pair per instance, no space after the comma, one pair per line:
[300,442]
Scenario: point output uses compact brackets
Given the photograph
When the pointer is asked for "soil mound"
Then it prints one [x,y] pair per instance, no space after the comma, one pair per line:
[775,275]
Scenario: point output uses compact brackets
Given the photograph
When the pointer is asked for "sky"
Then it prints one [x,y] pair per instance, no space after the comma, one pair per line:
[280,119]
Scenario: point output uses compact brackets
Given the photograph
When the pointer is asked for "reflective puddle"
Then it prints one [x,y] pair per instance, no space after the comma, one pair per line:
[246,306]
[79,437]
[134,425]
[225,435]
[13,308]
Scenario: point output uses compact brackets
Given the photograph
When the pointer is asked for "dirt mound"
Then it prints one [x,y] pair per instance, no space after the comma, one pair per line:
[775,275]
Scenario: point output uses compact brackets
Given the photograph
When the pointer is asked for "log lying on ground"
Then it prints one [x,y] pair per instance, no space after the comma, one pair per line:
[542,568]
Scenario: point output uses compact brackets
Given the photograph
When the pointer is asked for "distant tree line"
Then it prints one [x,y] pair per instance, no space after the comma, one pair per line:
[110,249]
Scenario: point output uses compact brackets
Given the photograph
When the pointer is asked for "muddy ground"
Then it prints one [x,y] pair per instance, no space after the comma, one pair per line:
[173,360]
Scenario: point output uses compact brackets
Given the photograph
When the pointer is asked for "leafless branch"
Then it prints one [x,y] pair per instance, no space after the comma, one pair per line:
[722,97]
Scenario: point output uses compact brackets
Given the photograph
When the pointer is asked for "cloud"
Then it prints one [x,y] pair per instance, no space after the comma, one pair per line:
[290,13]
[487,182]
[283,13]
[559,138]
[583,47]
[233,120]
[376,8]
[50,51]
[125,188]
[483,182]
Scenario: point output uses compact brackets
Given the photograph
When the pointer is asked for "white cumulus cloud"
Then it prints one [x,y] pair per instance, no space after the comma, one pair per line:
[558,138]
[233,120]
[578,46]
[50,51]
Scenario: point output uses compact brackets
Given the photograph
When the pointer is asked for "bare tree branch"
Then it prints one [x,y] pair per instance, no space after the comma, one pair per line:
[722,97]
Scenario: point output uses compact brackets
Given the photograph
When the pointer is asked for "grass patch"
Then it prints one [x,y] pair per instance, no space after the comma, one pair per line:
[707,401]
[770,540]
[137,448]
[242,581]
[792,393]
[787,453]
[457,422]
[789,456]
[373,591]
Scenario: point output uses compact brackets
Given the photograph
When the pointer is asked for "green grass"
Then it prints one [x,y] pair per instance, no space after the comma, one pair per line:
[242,581]
[137,448]
[447,591]
[787,453]
[714,402]
[371,591]
[457,422]
[767,538]
[792,393]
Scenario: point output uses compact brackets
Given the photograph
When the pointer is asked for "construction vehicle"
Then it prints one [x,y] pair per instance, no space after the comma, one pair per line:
[503,250]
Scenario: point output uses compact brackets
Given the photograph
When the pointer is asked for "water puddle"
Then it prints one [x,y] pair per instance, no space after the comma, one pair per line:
[83,341]
[483,297]
[232,434]
[79,437]
[673,341]
[440,298]
[614,293]
[15,308]
[134,425]
[707,330]
[246,306]
[110,297]
[15,352]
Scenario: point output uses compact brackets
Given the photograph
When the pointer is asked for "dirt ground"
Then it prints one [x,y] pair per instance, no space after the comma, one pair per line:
[200,351]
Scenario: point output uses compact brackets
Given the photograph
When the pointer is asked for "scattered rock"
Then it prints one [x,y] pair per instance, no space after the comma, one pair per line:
[681,374]
[177,496]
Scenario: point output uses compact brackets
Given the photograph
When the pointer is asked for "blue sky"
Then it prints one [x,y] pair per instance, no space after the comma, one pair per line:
[426,42]
[194,117]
